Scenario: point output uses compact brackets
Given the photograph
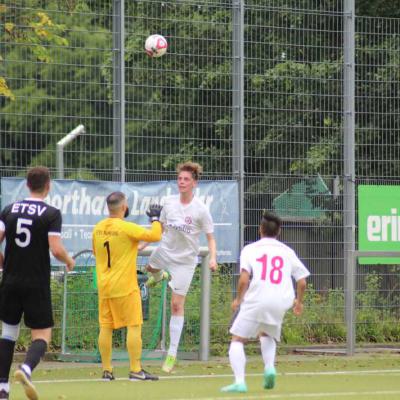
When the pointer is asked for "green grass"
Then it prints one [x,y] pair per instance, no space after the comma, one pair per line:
[299,377]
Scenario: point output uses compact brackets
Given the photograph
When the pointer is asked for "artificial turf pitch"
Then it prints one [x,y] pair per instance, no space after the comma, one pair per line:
[365,377]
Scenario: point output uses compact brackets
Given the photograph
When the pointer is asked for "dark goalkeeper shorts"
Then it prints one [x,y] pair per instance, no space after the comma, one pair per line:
[33,303]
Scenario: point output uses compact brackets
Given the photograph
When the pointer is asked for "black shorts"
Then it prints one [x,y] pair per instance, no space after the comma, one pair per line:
[33,303]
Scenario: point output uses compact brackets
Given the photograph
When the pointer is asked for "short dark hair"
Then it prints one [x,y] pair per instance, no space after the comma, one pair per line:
[37,178]
[114,200]
[270,224]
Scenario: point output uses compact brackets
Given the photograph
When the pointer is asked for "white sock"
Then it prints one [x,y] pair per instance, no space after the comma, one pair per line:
[268,350]
[237,358]
[158,275]
[27,369]
[175,331]
[5,386]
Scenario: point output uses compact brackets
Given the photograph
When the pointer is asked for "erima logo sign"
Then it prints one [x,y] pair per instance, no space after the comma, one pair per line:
[384,228]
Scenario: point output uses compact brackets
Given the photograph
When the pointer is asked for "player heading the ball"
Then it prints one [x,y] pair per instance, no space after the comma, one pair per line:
[184,218]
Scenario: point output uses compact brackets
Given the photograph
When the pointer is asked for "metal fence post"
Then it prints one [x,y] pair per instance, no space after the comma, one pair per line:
[64,314]
[119,90]
[238,106]
[163,342]
[204,352]
[349,169]
[60,148]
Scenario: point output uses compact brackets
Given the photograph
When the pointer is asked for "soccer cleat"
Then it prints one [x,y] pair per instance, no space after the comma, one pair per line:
[142,375]
[269,378]
[4,394]
[152,282]
[169,364]
[235,388]
[108,376]
[25,380]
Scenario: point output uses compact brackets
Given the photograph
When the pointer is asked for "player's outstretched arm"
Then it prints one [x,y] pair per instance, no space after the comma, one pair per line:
[59,252]
[300,290]
[154,212]
[154,233]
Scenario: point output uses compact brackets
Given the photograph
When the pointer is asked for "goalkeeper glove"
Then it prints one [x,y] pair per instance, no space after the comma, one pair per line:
[154,212]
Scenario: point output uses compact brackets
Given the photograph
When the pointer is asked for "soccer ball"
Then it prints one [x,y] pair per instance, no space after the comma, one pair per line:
[156,45]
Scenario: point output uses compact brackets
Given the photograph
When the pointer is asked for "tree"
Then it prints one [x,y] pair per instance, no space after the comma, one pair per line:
[378,8]
[179,107]
[31,28]
[57,93]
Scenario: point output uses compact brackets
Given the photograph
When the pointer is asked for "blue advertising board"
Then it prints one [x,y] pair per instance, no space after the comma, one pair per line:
[83,204]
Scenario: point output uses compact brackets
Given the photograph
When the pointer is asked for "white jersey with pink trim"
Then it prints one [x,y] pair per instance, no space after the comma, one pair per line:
[183,224]
[272,265]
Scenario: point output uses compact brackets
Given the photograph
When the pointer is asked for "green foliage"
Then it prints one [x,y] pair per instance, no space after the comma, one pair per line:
[376,326]
[60,69]
[296,86]
[378,8]
[316,156]
[165,99]
[35,30]
[323,319]
[49,101]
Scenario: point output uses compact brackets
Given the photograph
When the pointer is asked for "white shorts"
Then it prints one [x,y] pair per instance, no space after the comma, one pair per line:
[181,275]
[248,329]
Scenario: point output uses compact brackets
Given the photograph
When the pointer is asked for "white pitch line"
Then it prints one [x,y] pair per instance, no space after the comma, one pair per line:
[302,395]
[376,372]
[366,372]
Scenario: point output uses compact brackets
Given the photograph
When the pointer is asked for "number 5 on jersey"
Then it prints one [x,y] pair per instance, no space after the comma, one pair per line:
[23,232]
[275,275]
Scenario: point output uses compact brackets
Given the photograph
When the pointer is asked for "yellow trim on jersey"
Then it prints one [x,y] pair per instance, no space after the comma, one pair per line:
[115,246]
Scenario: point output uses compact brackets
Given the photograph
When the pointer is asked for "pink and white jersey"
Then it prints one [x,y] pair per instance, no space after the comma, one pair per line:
[272,266]
[183,225]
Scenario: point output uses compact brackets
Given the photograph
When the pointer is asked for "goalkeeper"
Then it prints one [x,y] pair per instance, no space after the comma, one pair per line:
[115,246]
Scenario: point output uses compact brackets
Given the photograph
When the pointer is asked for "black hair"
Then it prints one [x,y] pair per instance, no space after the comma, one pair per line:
[270,224]
[37,178]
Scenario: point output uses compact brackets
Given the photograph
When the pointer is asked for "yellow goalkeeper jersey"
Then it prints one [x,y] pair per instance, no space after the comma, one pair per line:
[115,246]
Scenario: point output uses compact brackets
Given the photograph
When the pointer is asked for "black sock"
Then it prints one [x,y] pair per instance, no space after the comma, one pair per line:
[35,352]
[6,357]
